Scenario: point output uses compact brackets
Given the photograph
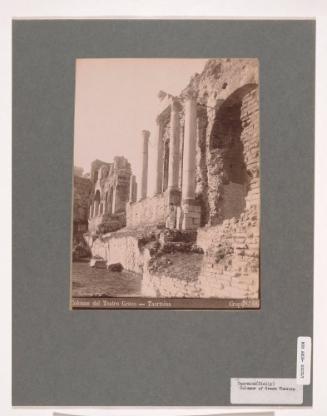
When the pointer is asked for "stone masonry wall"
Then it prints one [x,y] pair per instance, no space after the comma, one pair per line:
[148,211]
[250,139]
[234,200]
[122,248]
[166,286]
[231,262]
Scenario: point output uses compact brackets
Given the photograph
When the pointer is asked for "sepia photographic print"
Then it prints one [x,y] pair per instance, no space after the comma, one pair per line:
[166,184]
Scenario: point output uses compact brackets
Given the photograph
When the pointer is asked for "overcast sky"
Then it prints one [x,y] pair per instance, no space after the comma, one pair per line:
[116,99]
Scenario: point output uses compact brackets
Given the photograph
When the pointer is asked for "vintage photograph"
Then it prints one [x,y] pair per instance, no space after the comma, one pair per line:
[166,184]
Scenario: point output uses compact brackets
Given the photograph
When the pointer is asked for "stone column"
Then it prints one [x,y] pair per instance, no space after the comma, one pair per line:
[145,157]
[159,158]
[96,208]
[191,209]
[174,144]
[109,202]
[132,189]
[114,200]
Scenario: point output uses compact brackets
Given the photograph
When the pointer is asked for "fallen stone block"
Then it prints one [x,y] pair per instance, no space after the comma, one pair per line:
[98,263]
[115,267]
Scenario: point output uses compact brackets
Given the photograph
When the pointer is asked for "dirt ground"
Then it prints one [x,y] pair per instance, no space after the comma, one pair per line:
[96,282]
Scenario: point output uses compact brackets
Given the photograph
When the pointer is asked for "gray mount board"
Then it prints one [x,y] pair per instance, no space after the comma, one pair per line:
[139,358]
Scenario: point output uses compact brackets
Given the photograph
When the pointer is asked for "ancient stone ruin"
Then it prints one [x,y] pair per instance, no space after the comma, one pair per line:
[198,234]
[82,197]
[110,194]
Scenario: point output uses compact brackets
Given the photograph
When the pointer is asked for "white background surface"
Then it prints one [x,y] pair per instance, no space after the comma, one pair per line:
[167,8]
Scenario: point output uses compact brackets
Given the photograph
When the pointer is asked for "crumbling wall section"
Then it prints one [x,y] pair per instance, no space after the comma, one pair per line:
[82,195]
[110,194]
[201,174]
[227,89]
[231,262]
[123,249]
[250,139]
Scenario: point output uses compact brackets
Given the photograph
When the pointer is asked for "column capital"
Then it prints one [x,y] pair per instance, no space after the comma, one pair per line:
[164,116]
[145,134]
[175,105]
[190,93]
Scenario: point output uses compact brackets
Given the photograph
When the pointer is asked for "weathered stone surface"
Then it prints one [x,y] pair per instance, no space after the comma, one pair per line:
[82,195]
[145,156]
[110,195]
[98,263]
[115,267]
[123,248]
[154,210]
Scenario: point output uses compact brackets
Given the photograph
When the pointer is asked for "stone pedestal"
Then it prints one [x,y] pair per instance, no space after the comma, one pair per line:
[191,215]
[172,217]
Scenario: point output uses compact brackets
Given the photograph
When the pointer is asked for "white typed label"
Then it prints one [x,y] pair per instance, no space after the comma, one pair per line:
[303,360]
[265,391]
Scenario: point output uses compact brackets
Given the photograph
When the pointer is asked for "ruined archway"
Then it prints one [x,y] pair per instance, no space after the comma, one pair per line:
[228,170]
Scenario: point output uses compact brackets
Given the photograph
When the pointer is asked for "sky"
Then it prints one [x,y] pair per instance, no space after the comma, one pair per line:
[115,99]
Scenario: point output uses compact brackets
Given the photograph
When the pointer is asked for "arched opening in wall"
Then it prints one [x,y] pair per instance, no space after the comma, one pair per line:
[109,203]
[96,203]
[228,153]
[104,171]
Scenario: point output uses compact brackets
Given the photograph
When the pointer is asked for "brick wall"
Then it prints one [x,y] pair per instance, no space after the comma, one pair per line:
[250,140]
[231,244]
[231,262]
